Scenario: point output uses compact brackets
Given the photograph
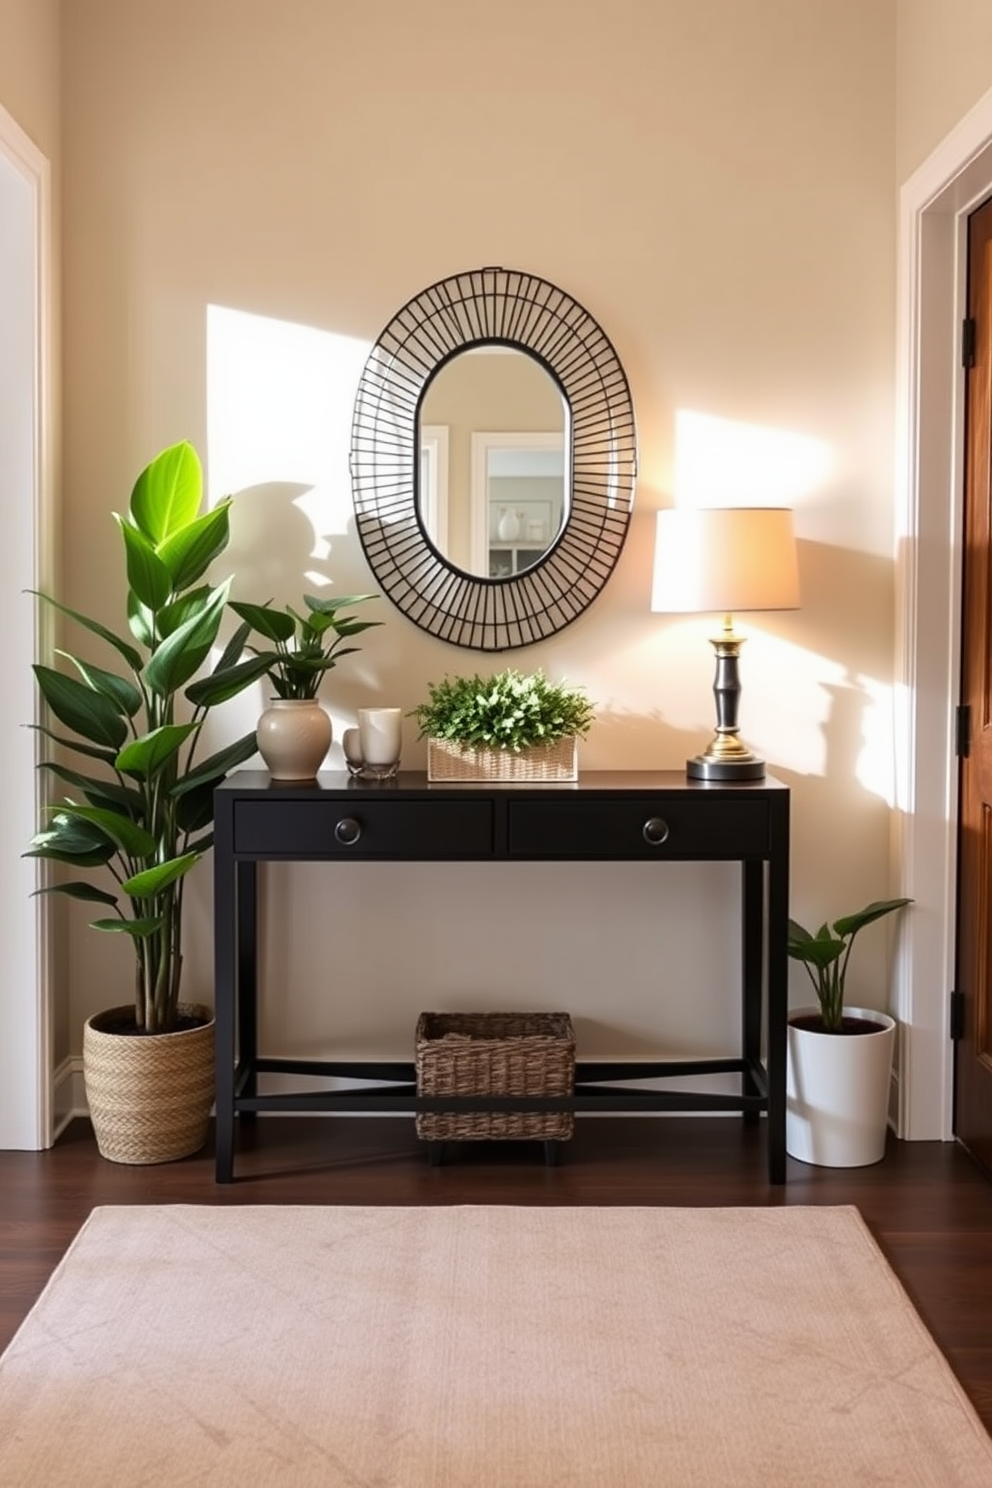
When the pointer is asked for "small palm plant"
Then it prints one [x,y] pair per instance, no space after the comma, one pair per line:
[826,954]
[303,647]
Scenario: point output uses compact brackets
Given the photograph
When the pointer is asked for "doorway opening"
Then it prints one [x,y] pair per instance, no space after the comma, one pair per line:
[973,980]
[934,207]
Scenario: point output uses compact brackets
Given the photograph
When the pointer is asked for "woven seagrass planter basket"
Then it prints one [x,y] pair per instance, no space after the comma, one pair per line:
[495,1054]
[149,1095]
[540,762]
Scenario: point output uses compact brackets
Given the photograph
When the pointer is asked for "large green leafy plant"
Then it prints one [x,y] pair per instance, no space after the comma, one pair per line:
[145,817]
[511,710]
[826,954]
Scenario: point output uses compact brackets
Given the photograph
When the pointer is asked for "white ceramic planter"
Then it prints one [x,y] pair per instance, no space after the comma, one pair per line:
[837,1094]
[293,736]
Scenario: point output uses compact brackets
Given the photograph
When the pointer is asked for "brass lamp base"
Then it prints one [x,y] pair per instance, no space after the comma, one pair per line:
[726,757]
[715,763]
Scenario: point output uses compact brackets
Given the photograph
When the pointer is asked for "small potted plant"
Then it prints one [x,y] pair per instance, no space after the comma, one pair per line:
[294,733]
[510,726]
[137,816]
[839,1057]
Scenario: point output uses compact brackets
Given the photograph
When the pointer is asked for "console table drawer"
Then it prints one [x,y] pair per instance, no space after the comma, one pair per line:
[639,827]
[363,828]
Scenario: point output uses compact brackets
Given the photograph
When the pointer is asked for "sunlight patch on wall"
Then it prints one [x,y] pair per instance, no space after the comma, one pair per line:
[279,407]
[719,462]
[876,768]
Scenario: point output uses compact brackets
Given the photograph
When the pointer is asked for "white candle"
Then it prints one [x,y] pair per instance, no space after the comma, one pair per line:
[381,733]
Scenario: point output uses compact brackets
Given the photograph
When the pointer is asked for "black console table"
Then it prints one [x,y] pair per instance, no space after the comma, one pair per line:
[628,816]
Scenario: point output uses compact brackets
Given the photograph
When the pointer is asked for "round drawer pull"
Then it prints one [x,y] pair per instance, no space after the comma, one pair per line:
[654,831]
[347,831]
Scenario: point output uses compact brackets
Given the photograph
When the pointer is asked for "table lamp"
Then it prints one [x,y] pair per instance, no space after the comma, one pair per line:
[725,559]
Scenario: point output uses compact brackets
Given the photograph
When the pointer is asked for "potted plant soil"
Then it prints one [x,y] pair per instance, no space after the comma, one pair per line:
[137,816]
[839,1057]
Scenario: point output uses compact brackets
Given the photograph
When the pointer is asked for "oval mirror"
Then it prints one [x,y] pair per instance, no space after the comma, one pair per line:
[494,461]
[487,592]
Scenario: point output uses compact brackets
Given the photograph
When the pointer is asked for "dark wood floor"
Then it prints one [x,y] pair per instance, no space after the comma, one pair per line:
[927,1204]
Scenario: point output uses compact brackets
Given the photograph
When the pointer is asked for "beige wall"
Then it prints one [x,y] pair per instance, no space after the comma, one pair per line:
[29,69]
[713,182]
[944,62]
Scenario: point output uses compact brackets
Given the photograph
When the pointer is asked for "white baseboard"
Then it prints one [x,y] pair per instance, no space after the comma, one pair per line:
[894,1106]
[68,1094]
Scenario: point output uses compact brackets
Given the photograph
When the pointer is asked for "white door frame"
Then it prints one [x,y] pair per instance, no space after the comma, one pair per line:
[932,263]
[25,481]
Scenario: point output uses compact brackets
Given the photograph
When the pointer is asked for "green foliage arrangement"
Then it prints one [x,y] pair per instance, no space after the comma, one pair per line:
[510,710]
[146,818]
[825,956]
[305,646]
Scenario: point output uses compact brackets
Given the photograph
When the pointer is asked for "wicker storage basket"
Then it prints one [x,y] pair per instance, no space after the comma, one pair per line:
[495,1054]
[541,762]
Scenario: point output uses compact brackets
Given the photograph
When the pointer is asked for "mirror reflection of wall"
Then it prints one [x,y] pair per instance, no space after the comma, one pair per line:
[433,485]
[507,442]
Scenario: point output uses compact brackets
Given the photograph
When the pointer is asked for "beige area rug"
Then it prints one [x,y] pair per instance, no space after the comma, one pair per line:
[480,1347]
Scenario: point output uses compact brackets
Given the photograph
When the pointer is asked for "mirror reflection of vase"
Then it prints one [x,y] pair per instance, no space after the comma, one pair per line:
[293,736]
[508,526]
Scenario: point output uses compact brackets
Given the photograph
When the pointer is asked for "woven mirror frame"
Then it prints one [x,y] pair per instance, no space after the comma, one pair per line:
[499,307]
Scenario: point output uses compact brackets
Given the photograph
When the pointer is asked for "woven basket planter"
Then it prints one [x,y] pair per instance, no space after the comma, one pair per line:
[541,762]
[149,1095]
[495,1054]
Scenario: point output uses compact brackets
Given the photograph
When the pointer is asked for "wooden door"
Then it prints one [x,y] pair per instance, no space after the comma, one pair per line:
[973,1050]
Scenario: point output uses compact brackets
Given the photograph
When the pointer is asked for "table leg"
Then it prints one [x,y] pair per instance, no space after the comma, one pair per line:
[778,987]
[752,974]
[247,999]
[224,964]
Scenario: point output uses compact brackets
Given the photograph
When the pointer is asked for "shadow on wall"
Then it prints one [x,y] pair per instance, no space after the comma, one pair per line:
[273,543]
[277,554]
[847,610]
[842,808]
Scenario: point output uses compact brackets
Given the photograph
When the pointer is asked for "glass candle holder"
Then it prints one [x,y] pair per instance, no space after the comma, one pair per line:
[351,745]
[380,732]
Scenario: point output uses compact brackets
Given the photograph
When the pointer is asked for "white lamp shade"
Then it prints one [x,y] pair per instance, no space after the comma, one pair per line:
[725,559]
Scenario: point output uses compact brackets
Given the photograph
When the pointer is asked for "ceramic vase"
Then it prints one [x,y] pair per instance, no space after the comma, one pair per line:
[508,526]
[837,1093]
[293,736]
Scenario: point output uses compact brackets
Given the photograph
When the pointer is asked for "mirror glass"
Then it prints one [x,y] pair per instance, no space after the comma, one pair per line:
[493,438]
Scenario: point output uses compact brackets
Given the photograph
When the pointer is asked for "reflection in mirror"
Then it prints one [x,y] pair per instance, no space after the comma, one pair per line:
[518,500]
[493,437]
[433,483]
